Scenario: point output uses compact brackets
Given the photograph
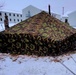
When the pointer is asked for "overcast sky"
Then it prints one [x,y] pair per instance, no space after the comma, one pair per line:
[56,5]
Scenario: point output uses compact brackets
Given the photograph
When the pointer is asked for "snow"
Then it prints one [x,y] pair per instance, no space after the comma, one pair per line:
[3,28]
[33,65]
[10,11]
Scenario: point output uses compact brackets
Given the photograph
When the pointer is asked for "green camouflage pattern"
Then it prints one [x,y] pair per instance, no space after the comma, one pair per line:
[43,25]
[41,35]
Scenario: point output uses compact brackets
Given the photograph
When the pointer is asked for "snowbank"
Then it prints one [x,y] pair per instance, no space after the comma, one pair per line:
[33,65]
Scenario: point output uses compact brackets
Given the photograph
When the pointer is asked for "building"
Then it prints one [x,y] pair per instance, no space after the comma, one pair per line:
[12,17]
[27,12]
[16,17]
[30,11]
[70,18]
[64,17]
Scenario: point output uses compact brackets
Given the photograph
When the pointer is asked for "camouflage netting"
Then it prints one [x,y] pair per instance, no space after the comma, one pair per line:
[40,35]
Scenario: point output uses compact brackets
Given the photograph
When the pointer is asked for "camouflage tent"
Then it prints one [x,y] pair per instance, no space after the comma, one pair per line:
[41,35]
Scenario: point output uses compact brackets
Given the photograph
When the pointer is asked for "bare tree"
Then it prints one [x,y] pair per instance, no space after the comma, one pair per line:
[1,4]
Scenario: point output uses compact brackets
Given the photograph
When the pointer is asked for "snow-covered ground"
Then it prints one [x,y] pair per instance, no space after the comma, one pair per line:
[33,65]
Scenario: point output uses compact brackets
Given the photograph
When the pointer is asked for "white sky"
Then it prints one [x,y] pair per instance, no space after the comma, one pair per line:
[56,5]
